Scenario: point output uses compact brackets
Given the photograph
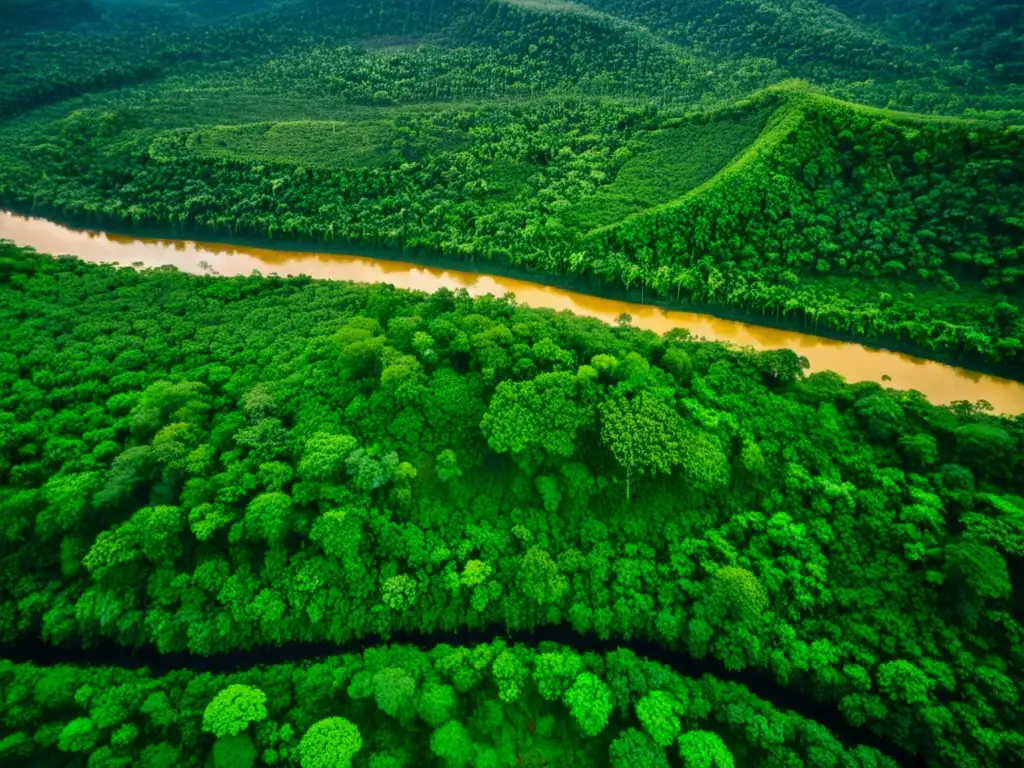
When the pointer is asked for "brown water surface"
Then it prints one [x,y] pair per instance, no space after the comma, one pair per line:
[941,383]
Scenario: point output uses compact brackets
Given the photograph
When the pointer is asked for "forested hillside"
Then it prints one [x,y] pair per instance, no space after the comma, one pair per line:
[221,498]
[654,148]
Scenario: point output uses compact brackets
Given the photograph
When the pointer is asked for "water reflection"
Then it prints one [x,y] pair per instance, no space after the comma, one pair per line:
[941,383]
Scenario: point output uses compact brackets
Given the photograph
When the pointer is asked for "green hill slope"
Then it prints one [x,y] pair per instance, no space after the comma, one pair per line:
[790,203]
[912,216]
[667,163]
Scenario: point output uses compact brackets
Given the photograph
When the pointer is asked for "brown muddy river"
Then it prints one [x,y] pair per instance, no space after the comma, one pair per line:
[941,383]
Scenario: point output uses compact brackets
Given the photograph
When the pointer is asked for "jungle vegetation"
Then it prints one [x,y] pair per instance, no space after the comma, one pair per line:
[658,148]
[194,467]
[209,464]
[393,706]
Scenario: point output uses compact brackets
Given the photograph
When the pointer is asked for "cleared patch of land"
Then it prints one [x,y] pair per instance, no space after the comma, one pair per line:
[331,144]
[667,164]
[325,144]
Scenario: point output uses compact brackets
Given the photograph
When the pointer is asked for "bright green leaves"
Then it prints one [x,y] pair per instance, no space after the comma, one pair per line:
[152,533]
[453,744]
[437,702]
[634,749]
[1003,529]
[173,445]
[643,433]
[370,472]
[206,519]
[477,576]
[704,749]
[510,675]
[157,707]
[360,348]
[752,459]
[403,378]
[447,465]
[881,416]
[275,475]
[266,440]
[258,403]
[475,573]
[539,577]
[554,673]
[658,713]
[590,703]
[737,592]
[647,437]
[394,691]
[67,498]
[903,682]
[980,568]
[538,418]
[233,709]
[164,402]
[677,362]
[480,706]
[80,735]
[330,743]
[339,533]
[328,459]
[834,525]
[399,593]
[269,517]
[324,456]
[705,465]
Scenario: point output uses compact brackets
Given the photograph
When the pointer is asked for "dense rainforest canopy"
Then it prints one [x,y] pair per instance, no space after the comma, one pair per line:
[485,705]
[200,467]
[210,464]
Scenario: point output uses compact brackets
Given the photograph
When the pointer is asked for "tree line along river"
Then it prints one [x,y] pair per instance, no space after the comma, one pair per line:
[940,382]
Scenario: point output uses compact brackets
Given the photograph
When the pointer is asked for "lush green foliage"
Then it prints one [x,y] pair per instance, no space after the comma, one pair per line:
[399,707]
[213,464]
[919,220]
[984,35]
[841,218]
[664,165]
[919,54]
[539,134]
[45,66]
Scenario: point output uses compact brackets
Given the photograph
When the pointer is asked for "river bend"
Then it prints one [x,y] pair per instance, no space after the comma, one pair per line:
[939,382]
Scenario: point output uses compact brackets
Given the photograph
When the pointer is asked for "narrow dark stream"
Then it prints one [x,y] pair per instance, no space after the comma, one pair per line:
[757,682]
[942,383]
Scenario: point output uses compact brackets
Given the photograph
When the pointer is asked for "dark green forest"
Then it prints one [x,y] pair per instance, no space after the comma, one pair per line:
[277,521]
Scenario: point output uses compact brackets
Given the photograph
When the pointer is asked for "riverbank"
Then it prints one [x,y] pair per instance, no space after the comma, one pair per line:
[940,382]
[584,284]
